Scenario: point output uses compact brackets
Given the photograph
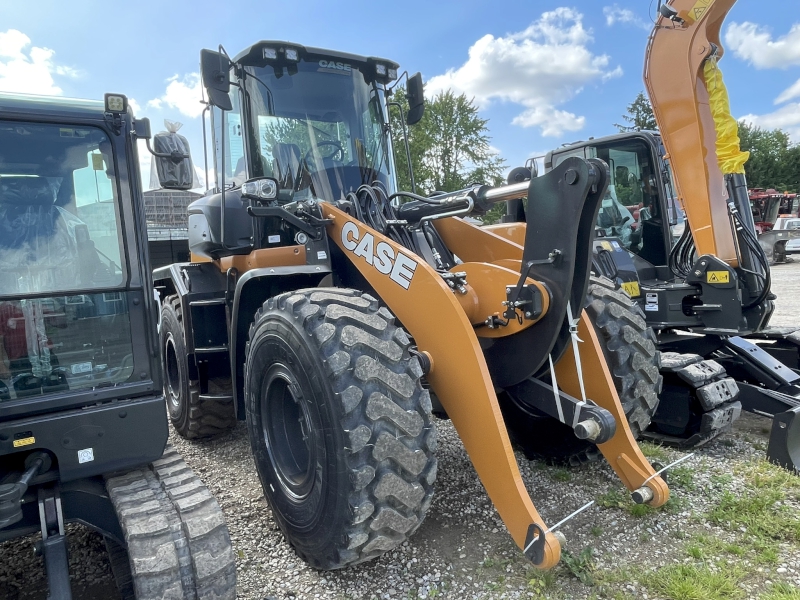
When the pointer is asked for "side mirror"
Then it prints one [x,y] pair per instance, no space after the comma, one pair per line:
[416,99]
[215,69]
[173,161]
[141,129]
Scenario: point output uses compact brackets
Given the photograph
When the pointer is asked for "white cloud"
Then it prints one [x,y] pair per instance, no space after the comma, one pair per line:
[787,118]
[137,108]
[539,68]
[614,14]
[789,93]
[754,44]
[29,69]
[183,94]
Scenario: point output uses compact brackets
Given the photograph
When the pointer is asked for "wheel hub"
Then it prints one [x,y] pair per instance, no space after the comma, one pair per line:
[288,433]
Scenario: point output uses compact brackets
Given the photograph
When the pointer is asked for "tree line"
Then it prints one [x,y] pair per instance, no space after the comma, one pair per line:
[774,160]
[451,148]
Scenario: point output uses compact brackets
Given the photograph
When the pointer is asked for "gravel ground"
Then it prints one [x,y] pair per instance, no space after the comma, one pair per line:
[463,550]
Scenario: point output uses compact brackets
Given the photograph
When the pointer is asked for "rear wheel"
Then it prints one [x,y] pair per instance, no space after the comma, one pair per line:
[629,347]
[192,415]
[339,425]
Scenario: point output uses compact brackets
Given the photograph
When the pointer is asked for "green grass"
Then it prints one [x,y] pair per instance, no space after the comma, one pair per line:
[561,474]
[782,591]
[696,582]
[580,565]
[654,452]
[760,508]
[613,499]
[681,476]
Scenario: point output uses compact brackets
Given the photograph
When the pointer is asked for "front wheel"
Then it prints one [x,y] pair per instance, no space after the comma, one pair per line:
[339,425]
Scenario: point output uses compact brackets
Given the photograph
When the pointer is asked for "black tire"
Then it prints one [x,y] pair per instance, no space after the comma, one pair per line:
[629,346]
[191,415]
[339,425]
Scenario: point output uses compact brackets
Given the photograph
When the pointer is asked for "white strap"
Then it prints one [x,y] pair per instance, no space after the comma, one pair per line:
[573,332]
[555,389]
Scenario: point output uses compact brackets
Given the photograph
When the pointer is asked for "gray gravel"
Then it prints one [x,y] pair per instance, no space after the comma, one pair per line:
[462,550]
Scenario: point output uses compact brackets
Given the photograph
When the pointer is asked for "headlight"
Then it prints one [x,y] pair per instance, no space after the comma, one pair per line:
[380,70]
[291,54]
[260,189]
[270,53]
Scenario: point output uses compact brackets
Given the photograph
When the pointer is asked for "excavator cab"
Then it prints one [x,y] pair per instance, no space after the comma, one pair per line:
[83,428]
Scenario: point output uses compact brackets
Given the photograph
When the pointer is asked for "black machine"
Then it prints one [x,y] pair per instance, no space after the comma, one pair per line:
[718,354]
[83,425]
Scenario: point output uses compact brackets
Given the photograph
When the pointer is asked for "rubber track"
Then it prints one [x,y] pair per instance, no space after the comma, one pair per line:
[209,417]
[630,348]
[385,414]
[178,544]
[712,394]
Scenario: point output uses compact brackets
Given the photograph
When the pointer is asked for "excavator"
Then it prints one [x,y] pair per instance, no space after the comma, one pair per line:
[335,314]
[703,284]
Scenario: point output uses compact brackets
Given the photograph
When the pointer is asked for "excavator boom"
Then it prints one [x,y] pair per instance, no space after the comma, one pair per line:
[677,58]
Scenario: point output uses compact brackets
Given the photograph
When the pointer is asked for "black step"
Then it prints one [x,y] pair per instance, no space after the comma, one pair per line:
[211,349]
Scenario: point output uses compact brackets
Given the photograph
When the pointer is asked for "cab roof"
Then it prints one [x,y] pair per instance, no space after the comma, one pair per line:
[29,104]
[253,55]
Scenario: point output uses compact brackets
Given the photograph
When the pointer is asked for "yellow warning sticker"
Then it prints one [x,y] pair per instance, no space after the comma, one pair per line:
[699,9]
[97,162]
[631,288]
[718,277]
[607,246]
[24,442]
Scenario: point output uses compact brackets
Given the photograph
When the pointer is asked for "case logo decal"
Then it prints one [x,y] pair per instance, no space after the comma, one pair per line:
[399,267]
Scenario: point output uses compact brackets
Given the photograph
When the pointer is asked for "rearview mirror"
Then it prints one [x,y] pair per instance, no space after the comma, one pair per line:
[416,99]
[215,70]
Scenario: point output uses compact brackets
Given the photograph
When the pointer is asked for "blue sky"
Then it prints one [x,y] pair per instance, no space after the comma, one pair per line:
[544,72]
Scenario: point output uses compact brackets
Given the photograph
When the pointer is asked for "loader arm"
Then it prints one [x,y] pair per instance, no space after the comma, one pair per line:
[426,306]
[447,320]
[675,61]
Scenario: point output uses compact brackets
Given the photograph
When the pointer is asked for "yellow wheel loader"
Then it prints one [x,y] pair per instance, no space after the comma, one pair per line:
[331,312]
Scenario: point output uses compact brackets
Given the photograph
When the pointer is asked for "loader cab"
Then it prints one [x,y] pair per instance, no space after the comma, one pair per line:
[641,211]
[314,121]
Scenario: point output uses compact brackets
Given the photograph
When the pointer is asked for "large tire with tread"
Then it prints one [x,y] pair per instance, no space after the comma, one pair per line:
[629,346]
[339,424]
[191,415]
[178,546]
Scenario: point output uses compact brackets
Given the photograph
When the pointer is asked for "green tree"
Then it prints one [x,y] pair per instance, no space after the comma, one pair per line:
[774,162]
[640,116]
[450,146]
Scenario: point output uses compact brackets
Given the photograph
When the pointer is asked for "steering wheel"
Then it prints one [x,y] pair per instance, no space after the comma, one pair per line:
[338,151]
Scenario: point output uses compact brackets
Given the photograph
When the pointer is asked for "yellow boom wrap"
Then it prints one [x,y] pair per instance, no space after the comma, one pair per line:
[729,155]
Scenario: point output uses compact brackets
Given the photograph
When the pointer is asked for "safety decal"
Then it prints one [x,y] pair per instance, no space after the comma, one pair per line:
[631,288]
[718,277]
[28,441]
[699,9]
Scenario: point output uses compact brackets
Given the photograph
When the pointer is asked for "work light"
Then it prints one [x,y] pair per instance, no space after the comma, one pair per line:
[116,103]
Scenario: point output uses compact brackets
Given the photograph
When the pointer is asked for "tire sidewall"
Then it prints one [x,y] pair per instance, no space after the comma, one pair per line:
[326,508]
[171,332]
